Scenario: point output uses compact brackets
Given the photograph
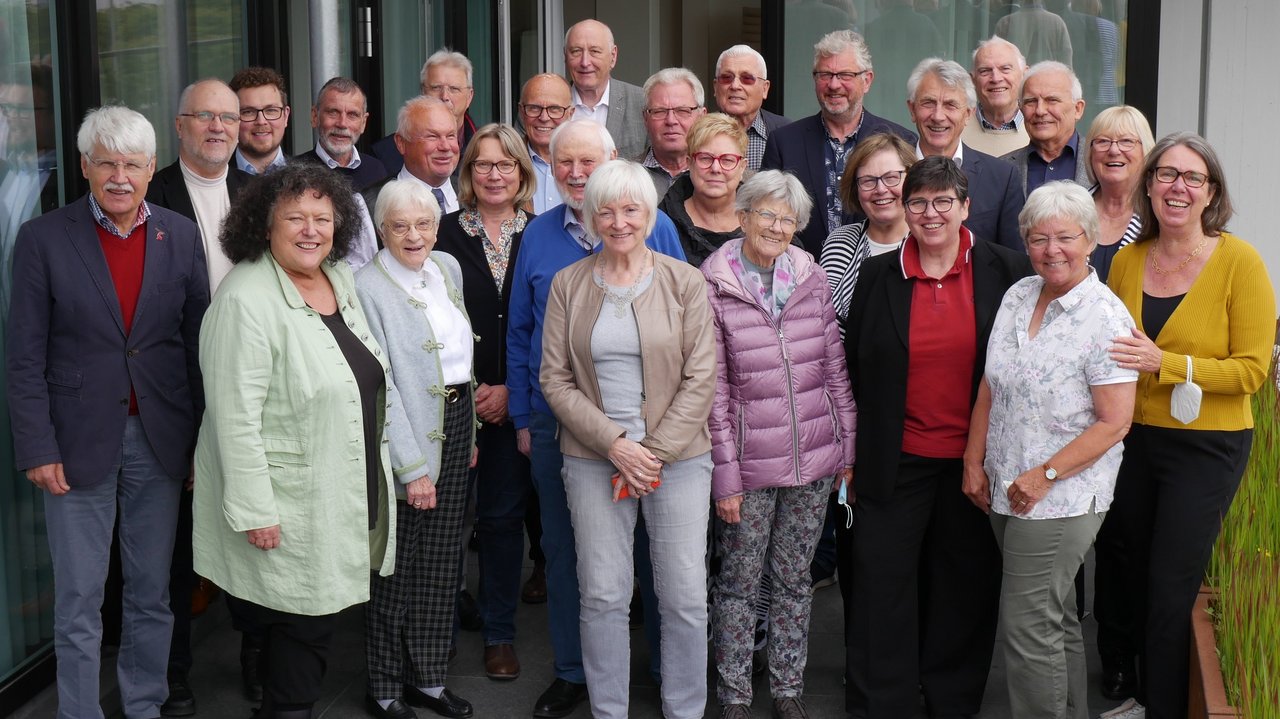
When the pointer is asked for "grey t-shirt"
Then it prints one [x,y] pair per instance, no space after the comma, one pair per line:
[615,350]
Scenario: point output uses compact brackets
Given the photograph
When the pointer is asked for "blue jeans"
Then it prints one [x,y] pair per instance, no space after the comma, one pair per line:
[502,492]
[557,544]
[145,499]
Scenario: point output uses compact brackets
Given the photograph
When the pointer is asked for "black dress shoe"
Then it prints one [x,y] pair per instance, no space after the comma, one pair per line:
[469,612]
[559,699]
[448,705]
[181,702]
[1119,683]
[395,710]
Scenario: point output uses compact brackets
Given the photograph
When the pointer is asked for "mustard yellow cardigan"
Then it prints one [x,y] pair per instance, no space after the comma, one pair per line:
[1226,323]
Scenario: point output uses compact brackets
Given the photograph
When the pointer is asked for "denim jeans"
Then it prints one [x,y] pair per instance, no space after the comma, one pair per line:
[676,516]
[503,488]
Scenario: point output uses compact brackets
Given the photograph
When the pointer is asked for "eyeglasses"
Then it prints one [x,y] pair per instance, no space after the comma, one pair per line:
[746,78]
[867,183]
[662,113]
[400,229]
[1039,241]
[1168,175]
[1103,144]
[484,167]
[555,112]
[249,114]
[228,118]
[125,167]
[767,219]
[451,89]
[727,161]
[941,205]
[824,77]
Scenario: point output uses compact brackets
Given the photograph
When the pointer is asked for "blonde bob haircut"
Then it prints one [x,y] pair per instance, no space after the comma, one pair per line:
[712,125]
[1118,120]
[513,147]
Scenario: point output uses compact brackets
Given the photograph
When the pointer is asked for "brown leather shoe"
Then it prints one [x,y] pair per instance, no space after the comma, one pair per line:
[500,662]
[535,588]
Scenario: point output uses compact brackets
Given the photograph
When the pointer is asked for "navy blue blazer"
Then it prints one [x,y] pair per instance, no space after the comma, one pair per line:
[995,199]
[797,148]
[70,365]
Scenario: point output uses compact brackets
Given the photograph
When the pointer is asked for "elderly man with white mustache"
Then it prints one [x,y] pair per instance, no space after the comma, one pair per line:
[552,241]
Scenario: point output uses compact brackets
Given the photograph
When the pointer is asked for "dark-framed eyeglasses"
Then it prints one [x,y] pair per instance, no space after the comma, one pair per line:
[662,113]
[1168,175]
[504,167]
[271,112]
[825,77]
[727,161]
[867,183]
[941,205]
[555,112]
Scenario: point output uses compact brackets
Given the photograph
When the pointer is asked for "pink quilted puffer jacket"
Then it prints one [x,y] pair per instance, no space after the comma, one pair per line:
[783,412]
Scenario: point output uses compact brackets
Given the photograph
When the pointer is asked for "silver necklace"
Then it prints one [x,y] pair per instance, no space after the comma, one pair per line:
[621,301]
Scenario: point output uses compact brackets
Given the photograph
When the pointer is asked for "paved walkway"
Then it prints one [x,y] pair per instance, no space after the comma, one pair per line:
[216,676]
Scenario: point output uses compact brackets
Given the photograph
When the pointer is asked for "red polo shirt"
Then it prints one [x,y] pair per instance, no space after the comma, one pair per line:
[124,260]
[941,355]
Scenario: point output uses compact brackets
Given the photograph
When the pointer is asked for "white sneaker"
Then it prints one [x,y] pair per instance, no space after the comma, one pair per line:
[1130,709]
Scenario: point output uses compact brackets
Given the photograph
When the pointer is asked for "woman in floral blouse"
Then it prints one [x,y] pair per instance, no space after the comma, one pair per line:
[1045,445]
[496,183]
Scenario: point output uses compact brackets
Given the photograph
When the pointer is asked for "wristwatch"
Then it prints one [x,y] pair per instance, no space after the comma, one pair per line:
[1050,473]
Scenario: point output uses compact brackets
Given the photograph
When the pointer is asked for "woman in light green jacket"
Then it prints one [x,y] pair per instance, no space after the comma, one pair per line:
[294,495]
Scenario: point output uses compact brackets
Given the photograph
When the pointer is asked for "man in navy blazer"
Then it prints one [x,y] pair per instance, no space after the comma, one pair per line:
[814,148]
[105,398]
[941,97]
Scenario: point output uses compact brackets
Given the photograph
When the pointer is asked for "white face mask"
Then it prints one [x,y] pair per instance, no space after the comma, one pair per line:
[1185,404]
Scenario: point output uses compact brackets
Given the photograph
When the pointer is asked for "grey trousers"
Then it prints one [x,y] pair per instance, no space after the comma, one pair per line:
[676,516]
[1043,646]
[79,526]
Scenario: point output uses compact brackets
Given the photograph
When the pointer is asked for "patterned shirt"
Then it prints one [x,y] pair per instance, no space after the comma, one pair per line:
[1014,123]
[1040,391]
[498,256]
[834,152]
[757,134]
[144,214]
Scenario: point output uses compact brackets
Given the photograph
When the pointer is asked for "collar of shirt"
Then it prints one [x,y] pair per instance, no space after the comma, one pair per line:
[533,155]
[275,164]
[577,230]
[853,136]
[1076,295]
[1072,145]
[577,100]
[909,257]
[144,214]
[1012,124]
[450,197]
[651,162]
[413,282]
[332,163]
[958,157]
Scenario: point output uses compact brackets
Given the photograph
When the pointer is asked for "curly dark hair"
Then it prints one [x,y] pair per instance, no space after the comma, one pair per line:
[246,233]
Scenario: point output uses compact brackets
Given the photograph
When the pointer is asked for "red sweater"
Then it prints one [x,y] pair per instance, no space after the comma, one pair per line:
[124,261]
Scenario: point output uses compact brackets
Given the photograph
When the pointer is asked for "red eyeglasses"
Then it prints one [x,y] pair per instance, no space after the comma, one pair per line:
[746,78]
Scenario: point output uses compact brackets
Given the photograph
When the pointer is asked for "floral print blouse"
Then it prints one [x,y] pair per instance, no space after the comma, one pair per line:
[497,256]
[1040,391]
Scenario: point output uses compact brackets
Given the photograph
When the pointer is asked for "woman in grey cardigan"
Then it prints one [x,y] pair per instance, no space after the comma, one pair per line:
[413,301]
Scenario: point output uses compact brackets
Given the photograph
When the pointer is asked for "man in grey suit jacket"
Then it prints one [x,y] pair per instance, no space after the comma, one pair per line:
[590,55]
[741,84]
[1052,103]
[105,397]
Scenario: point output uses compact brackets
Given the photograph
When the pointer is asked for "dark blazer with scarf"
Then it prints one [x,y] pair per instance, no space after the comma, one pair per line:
[798,149]
[486,307]
[876,348]
[168,189]
[70,365]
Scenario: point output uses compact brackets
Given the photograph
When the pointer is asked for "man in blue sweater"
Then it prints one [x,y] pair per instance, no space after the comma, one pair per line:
[551,242]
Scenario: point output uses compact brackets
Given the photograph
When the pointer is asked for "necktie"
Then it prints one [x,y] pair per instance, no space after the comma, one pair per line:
[440,199]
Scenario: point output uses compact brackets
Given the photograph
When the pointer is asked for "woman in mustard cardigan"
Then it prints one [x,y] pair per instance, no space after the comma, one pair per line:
[1204,306]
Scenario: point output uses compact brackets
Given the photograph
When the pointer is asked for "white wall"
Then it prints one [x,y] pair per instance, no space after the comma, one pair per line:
[1218,78]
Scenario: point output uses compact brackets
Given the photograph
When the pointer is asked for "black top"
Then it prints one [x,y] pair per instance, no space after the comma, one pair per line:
[369,378]
[1156,312]
[698,243]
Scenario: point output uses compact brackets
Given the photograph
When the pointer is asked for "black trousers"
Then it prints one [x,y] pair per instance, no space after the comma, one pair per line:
[182,581]
[1174,487]
[924,599]
[295,654]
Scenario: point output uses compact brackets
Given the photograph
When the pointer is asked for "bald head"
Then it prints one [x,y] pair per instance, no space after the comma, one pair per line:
[206,147]
[545,104]
[589,55]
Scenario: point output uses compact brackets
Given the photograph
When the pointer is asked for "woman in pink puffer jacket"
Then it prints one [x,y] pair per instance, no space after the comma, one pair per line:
[781,428]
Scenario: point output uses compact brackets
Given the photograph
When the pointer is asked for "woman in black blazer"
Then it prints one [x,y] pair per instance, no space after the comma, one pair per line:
[925,566]
[496,183]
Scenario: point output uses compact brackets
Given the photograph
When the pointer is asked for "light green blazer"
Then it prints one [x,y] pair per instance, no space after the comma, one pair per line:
[282,443]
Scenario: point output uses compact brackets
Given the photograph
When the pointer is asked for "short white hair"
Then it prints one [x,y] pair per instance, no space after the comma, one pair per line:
[448,58]
[834,43]
[117,129]
[950,72]
[398,194]
[582,124]
[743,51]
[675,76]
[1060,200]
[1077,92]
[997,40]
[618,180]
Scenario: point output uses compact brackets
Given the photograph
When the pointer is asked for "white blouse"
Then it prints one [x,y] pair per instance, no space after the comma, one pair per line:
[449,325]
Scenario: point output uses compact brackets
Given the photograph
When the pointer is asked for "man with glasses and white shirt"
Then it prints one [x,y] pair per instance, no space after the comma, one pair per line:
[545,104]
[589,57]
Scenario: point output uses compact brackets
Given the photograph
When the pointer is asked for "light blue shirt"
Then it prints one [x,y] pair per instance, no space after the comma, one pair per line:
[546,195]
[248,167]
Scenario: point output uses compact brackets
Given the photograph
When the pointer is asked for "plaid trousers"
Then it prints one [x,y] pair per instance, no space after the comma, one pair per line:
[409,618]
